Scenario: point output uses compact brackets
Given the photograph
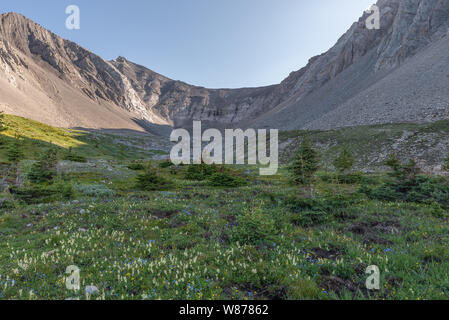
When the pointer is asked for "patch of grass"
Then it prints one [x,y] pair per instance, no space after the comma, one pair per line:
[94,190]
[85,144]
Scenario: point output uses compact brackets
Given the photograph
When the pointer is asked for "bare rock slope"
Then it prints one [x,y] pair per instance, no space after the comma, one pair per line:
[397,73]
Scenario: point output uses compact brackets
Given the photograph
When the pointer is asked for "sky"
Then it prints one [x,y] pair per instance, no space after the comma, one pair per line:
[210,43]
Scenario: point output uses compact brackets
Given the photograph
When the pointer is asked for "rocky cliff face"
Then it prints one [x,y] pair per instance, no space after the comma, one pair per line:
[416,24]
[60,76]
[179,103]
[397,73]
[406,27]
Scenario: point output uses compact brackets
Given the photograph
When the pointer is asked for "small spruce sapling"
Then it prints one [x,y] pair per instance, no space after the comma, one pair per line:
[3,126]
[45,169]
[14,154]
[344,162]
[405,174]
[304,166]
[446,163]
[152,181]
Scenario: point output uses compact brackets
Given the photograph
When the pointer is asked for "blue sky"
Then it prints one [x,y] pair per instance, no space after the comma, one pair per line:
[211,43]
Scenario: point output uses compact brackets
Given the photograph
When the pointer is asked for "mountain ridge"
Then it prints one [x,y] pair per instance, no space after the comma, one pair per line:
[326,93]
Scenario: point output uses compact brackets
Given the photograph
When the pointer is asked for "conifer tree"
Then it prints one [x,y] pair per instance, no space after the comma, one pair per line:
[2,127]
[14,154]
[405,174]
[45,169]
[152,181]
[344,162]
[446,163]
[393,162]
[2,121]
[304,166]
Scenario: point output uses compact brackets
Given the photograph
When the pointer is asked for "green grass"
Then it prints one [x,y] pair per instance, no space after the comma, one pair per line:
[196,242]
[93,145]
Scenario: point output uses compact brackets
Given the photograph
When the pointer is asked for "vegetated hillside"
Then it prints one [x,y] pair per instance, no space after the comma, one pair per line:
[94,144]
[427,144]
[395,74]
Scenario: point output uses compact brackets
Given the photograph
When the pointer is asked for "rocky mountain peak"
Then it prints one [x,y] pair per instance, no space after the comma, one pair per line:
[120,59]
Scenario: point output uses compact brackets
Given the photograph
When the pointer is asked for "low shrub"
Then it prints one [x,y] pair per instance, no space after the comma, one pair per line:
[308,212]
[437,211]
[424,189]
[174,171]
[224,179]
[351,178]
[151,181]
[37,175]
[368,179]
[43,193]
[75,158]
[136,166]
[253,227]
[44,170]
[384,192]
[94,190]
[308,218]
[165,164]
[200,172]
[7,203]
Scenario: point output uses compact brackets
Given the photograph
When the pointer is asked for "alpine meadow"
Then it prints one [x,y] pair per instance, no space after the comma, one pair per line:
[120,183]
